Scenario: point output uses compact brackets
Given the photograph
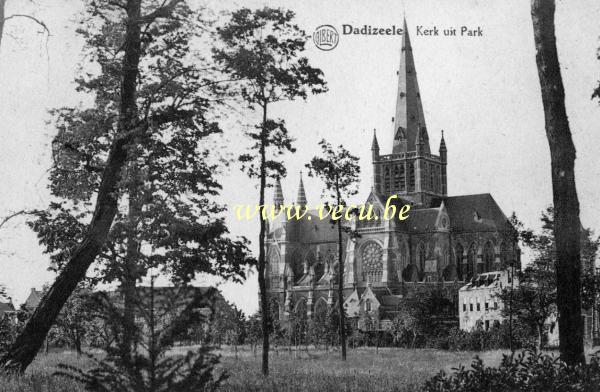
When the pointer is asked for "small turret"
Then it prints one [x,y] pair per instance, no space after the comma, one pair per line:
[301,199]
[444,160]
[375,146]
[278,200]
[443,149]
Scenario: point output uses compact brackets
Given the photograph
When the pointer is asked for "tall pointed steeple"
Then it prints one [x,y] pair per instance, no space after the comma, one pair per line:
[301,199]
[409,110]
[278,194]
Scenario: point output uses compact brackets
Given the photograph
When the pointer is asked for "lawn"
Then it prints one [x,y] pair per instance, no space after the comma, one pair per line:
[389,369]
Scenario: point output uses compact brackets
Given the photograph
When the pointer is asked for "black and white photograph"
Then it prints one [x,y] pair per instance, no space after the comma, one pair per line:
[283,196]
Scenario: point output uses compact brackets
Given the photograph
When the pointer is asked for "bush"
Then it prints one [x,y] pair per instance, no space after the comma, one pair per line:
[529,372]
[497,337]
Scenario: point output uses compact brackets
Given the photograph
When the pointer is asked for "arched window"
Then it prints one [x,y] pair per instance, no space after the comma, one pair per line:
[387,180]
[310,258]
[431,176]
[297,265]
[320,314]
[504,254]
[458,254]
[445,256]
[411,177]
[421,254]
[319,269]
[300,309]
[372,262]
[402,187]
[396,177]
[274,262]
[274,309]
[471,261]
[488,257]
[403,255]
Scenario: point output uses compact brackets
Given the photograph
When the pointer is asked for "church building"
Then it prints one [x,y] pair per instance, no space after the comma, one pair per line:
[445,242]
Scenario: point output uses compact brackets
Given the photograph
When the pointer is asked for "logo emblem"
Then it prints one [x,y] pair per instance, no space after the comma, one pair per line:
[326,37]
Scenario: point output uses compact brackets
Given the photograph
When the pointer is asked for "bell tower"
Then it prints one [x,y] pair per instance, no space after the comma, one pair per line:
[411,170]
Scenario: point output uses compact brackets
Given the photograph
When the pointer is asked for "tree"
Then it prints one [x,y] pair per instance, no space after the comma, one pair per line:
[564,191]
[339,171]
[261,52]
[138,150]
[534,300]
[74,321]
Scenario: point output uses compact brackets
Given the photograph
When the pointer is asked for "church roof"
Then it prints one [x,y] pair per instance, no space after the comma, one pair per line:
[409,117]
[421,219]
[474,213]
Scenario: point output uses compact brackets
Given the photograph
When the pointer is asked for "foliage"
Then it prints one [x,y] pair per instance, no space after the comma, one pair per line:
[261,53]
[169,183]
[162,316]
[529,372]
[73,324]
[8,331]
[534,298]
[339,171]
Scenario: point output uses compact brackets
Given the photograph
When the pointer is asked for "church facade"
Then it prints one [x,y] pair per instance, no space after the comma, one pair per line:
[445,242]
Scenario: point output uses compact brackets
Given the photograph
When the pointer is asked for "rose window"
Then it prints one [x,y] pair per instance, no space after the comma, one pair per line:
[372,260]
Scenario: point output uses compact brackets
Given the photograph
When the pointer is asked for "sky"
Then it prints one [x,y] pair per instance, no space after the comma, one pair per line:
[482,91]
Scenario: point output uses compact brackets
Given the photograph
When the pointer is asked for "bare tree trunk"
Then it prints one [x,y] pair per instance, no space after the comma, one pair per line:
[341,282]
[262,284]
[130,270]
[566,203]
[24,349]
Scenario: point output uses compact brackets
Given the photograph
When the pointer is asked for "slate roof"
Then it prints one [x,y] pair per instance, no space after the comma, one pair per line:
[421,219]
[471,213]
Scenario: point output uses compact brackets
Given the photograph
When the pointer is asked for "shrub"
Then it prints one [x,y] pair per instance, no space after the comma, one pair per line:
[528,371]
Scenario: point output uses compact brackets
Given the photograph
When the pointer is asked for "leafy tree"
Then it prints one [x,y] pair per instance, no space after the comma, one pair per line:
[140,151]
[564,192]
[261,51]
[534,299]
[74,321]
[339,171]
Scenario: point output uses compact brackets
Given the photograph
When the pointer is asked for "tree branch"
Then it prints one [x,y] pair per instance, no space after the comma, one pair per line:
[39,22]
[163,11]
[13,215]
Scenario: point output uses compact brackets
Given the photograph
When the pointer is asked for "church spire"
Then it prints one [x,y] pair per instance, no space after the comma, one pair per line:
[375,145]
[301,199]
[443,143]
[278,195]
[409,110]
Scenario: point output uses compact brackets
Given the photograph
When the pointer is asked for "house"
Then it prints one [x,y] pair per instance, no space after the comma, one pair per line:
[33,300]
[479,305]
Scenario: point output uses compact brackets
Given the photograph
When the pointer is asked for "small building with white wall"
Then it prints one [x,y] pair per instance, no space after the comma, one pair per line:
[478,300]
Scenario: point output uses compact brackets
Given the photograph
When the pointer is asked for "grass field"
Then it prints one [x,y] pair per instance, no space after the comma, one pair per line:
[365,370]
